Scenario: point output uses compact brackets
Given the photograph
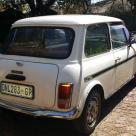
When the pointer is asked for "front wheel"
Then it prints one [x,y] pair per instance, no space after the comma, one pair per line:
[86,123]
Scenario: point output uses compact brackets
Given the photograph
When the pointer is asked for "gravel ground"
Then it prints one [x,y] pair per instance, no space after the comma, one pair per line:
[119,114]
[118,119]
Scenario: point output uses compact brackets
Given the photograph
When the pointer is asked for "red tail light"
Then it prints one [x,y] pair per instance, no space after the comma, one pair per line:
[64,95]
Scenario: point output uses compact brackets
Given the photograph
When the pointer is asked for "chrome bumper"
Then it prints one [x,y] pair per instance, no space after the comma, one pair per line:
[40,112]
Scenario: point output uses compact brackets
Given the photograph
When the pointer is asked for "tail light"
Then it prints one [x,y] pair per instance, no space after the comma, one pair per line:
[64,95]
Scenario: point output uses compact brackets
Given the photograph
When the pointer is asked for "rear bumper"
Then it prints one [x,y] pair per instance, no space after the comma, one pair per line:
[40,112]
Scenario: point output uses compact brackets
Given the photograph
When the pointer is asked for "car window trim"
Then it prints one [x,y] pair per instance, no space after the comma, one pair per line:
[108,41]
[115,24]
[46,27]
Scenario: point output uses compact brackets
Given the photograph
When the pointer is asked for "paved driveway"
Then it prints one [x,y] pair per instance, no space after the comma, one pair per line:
[118,119]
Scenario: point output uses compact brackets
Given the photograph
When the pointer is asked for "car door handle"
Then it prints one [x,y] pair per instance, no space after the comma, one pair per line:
[15,77]
[117,59]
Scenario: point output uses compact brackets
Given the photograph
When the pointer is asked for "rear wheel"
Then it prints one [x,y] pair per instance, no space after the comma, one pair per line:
[86,123]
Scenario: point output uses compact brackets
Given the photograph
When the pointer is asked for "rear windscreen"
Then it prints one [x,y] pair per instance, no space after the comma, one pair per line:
[53,43]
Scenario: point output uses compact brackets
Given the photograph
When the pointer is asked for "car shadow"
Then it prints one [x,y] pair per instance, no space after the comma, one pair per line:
[15,124]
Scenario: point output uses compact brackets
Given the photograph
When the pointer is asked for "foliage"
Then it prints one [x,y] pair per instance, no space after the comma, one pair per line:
[32,7]
[122,6]
[133,3]
[12,10]
[40,7]
[73,6]
[21,6]
[125,10]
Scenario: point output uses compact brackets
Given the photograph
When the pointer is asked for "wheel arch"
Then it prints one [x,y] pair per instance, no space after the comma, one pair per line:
[100,90]
[93,85]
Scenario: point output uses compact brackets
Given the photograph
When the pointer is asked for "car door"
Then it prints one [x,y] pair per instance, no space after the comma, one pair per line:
[122,54]
[99,60]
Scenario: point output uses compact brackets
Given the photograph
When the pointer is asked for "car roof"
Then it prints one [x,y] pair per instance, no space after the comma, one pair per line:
[65,20]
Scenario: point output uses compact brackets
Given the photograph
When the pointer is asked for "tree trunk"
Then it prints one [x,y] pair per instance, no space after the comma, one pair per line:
[123,6]
[135,6]
[38,7]
[32,4]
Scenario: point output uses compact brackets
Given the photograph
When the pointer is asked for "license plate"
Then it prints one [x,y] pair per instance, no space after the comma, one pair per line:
[25,91]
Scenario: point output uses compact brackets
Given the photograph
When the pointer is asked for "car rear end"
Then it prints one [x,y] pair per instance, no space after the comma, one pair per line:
[40,70]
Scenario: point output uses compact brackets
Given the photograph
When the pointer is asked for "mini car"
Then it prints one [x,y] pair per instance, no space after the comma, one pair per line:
[65,66]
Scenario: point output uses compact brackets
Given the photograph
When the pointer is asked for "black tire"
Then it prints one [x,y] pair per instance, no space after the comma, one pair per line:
[90,116]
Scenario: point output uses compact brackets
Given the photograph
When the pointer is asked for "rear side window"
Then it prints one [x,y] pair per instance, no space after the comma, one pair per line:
[118,36]
[97,40]
[53,43]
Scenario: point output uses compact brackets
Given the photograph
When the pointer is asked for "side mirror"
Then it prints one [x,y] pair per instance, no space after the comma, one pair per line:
[132,39]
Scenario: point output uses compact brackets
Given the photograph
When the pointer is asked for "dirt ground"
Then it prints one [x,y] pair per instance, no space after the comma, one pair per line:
[118,119]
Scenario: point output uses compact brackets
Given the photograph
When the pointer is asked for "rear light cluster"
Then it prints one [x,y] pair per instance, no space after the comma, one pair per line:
[64,95]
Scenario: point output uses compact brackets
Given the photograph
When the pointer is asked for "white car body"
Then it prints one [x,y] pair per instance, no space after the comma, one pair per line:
[109,70]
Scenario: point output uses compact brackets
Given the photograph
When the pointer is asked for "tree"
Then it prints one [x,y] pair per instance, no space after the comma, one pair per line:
[40,7]
[74,6]
[122,5]
[133,5]
[12,10]
[31,7]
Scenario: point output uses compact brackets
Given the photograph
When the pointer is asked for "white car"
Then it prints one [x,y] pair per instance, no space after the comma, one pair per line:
[65,66]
